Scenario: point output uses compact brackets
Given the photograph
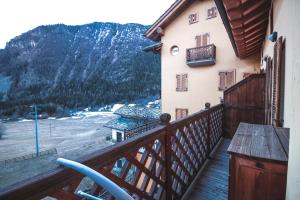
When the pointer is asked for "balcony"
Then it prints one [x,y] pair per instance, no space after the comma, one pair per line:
[184,159]
[201,56]
[158,164]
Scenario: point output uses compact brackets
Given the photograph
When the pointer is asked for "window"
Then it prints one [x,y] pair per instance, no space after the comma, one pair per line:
[226,79]
[193,18]
[174,50]
[119,137]
[181,113]
[212,12]
[181,82]
[203,40]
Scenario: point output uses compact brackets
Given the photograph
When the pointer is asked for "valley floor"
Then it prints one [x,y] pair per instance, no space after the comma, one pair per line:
[71,138]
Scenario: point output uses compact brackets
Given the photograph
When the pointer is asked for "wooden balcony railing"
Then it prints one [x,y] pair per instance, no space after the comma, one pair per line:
[158,164]
[199,56]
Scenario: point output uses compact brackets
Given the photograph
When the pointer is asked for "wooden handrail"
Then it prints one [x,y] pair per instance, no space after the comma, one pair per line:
[161,162]
[248,78]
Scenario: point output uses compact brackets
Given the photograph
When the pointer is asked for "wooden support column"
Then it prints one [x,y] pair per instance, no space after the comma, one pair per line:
[209,134]
[165,120]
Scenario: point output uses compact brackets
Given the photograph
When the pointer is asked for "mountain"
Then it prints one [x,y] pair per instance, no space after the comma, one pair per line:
[60,67]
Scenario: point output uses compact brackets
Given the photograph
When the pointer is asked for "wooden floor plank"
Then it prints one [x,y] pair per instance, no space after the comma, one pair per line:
[213,183]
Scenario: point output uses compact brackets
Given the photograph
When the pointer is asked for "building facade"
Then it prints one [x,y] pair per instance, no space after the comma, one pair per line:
[273,28]
[197,59]
[285,20]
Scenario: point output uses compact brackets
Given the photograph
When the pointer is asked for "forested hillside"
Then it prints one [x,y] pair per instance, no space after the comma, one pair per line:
[63,67]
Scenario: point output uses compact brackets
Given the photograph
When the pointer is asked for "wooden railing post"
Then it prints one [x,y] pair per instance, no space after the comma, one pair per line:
[208,137]
[165,120]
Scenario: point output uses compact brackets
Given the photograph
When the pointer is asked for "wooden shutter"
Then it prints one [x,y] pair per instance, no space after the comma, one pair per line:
[277,83]
[184,113]
[205,39]
[202,40]
[222,80]
[268,104]
[198,40]
[226,79]
[230,78]
[178,82]
[184,82]
[181,113]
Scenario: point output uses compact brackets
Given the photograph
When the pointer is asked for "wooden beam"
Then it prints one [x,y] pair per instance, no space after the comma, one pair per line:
[251,6]
[254,38]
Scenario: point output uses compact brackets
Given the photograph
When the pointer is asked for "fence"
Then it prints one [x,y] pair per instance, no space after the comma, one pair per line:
[158,164]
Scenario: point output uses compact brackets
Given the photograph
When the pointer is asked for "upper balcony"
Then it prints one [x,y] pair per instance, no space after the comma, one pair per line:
[201,56]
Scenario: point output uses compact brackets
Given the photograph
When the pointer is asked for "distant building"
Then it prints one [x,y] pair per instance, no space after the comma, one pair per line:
[132,120]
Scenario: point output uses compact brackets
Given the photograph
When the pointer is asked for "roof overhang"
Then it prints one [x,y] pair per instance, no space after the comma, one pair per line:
[246,22]
[155,48]
[157,29]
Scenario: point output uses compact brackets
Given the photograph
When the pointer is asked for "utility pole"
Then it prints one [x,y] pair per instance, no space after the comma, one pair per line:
[36,131]
[50,128]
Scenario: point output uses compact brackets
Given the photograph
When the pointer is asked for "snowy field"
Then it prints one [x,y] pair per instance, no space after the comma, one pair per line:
[72,137]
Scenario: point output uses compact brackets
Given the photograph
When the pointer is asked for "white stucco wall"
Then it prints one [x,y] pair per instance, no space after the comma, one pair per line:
[114,134]
[203,81]
[287,24]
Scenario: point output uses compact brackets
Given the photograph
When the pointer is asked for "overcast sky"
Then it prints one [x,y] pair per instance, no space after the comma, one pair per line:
[19,16]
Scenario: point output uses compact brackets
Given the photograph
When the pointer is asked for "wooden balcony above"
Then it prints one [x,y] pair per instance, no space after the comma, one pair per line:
[201,56]
[246,24]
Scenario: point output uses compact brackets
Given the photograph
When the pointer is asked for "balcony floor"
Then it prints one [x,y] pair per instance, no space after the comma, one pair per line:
[213,183]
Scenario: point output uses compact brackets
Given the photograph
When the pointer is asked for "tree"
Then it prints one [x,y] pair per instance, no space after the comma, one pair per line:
[2,130]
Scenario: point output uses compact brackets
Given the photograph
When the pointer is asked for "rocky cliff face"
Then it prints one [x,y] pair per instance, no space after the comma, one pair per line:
[77,66]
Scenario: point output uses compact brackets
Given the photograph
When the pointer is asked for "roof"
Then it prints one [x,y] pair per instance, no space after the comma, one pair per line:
[245,21]
[156,30]
[246,24]
[123,123]
[154,47]
[138,112]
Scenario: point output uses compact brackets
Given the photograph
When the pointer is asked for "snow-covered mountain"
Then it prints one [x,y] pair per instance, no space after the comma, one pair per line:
[59,67]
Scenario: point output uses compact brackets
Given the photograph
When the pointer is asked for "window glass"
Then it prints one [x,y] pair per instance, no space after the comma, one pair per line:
[174,50]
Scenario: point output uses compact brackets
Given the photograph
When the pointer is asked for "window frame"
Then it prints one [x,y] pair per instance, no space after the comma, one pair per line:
[186,111]
[226,85]
[212,12]
[193,18]
[174,53]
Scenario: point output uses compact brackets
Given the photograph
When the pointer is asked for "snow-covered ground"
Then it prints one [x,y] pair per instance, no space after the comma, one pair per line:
[73,137]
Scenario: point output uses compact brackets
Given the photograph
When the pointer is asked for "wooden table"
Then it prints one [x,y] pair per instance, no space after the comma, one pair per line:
[258,162]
